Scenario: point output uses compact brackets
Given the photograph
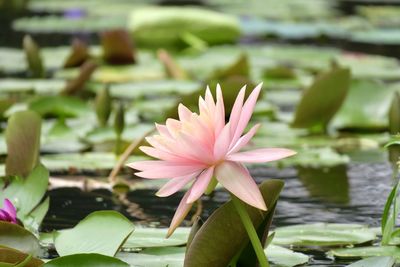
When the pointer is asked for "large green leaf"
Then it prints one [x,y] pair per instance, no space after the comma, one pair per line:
[366,106]
[374,262]
[321,234]
[322,99]
[87,260]
[17,237]
[22,145]
[13,257]
[223,236]
[101,232]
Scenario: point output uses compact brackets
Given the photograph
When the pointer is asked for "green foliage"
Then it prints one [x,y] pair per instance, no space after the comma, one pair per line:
[17,237]
[103,106]
[164,26]
[221,237]
[322,99]
[33,57]
[23,145]
[14,258]
[87,260]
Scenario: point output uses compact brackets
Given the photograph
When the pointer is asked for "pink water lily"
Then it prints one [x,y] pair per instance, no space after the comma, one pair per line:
[8,213]
[200,147]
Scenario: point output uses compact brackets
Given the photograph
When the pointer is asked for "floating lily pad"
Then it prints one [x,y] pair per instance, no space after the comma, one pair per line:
[155,257]
[153,237]
[320,234]
[366,106]
[62,106]
[90,161]
[284,257]
[374,261]
[363,252]
[101,232]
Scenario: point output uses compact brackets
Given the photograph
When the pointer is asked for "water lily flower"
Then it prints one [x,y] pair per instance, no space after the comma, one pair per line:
[8,213]
[201,147]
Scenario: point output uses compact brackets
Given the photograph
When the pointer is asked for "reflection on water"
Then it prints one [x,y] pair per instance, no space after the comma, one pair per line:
[355,194]
[330,184]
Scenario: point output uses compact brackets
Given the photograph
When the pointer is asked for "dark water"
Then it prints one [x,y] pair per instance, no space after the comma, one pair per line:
[353,194]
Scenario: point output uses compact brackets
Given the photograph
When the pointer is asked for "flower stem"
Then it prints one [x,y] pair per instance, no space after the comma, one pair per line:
[251,231]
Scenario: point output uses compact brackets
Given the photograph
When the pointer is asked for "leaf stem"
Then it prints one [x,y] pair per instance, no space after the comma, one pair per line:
[251,231]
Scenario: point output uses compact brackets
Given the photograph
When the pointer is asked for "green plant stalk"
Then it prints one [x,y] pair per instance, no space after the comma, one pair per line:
[251,231]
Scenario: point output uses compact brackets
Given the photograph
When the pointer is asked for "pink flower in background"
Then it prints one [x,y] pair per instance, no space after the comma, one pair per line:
[198,147]
[8,213]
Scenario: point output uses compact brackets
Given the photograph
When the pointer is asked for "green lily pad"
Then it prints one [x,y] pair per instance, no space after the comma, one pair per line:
[87,260]
[153,88]
[153,237]
[101,232]
[321,234]
[363,252]
[373,262]
[284,257]
[62,106]
[17,237]
[39,86]
[90,161]
[155,257]
[374,98]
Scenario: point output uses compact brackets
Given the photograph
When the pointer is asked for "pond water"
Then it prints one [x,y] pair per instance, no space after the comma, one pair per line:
[352,194]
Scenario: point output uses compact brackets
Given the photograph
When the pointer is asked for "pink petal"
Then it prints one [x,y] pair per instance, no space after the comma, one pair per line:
[236,179]
[155,169]
[180,214]
[219,112]
[192,147]
[221,146]
[246,112]
[200,185]
[245,139]
[163,130]
[173,126]
[9,208]
[163,155]
[209,100]
[236,110]
[175,184]
[184,113]
[261,155]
